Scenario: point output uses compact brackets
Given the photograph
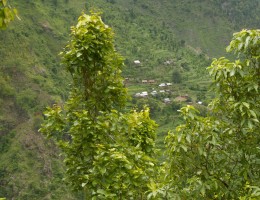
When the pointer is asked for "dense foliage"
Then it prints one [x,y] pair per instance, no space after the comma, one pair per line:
[240,12]
[152,31]
[110,154]
[217,157]
[107,153]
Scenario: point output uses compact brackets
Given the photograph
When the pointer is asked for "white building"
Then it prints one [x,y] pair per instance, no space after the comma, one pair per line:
[154,93]
[167,100]
[142,94]
[137,62]
[162,85]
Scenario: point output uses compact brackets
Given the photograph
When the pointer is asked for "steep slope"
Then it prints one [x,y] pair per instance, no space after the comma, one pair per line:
[205,25]
[31,78]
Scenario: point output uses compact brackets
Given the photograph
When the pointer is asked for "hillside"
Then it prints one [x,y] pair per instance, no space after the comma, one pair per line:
[184,33]
[31,76]
[205,25]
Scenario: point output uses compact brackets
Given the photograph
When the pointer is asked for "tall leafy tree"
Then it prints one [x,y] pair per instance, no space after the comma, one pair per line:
[109,154]
[218,156]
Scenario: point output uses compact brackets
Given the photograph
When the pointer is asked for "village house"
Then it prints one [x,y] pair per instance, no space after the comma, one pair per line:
[142,94]
[162,85]
[154,93]
[148,81]
[137,62]
[181,98]
[151,81]
[167,100]
[165,84]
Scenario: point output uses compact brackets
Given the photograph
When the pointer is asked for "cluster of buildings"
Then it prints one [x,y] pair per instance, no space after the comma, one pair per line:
[163,88]
[153,93]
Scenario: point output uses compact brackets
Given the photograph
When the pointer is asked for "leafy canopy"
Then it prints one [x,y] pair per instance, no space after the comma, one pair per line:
[108,154]
[217,157]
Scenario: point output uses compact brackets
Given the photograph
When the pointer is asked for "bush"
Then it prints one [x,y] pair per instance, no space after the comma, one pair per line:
[6,90]
[26,99]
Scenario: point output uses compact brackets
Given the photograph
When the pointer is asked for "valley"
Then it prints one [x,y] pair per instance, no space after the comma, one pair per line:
[174,42]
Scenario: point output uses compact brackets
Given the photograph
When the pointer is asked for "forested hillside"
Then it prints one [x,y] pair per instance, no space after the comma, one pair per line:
[173,40]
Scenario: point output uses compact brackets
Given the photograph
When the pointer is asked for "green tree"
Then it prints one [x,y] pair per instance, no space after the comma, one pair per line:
[176,76]
[7,14]
[217,157]
[108,154]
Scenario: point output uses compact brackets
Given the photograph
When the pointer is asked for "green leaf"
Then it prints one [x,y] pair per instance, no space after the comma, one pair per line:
[79,54]
[214,142]
[256,87]
[245,104]
[101,191]
[247,41]
[253,113]
[4,2]
[188,138]
[179,138]
[250,125]
[184,148]
[232,72]
[240,46]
